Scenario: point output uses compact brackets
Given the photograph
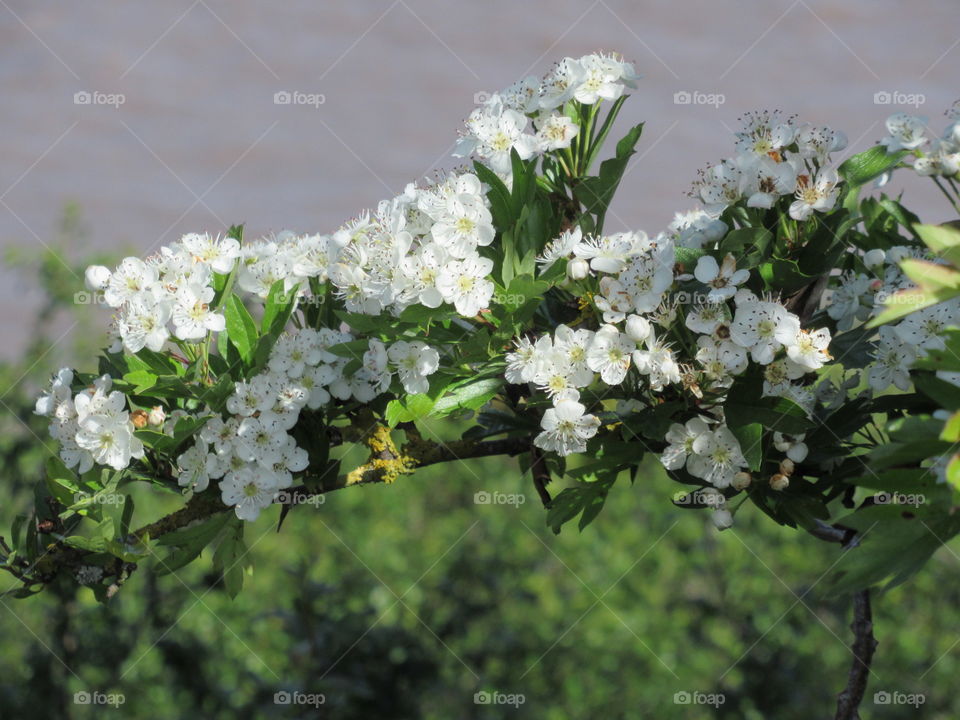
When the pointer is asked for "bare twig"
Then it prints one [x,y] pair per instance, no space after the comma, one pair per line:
[864,645]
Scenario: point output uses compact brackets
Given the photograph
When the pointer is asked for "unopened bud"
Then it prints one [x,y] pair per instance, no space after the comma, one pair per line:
[786,466]
[638,328]
[578,269]
[96,277]
[722,519]
[741,480]
[874,258]
[156,416]
[139,419]
[779,482]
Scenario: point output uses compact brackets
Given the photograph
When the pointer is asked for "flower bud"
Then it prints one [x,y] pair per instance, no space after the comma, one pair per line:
[741,480]
[722,519]
[779,482]
[874,258]
[638,328]
[578,269]
[139,419]
[156,416]
[96,277]
[786,466]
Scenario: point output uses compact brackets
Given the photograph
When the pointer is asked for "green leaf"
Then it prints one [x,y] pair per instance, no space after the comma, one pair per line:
[231,559]
[470,396]
[587,498]
[943,240]
[868,165]
[241,328]
[142,380]
[189,542]
[750,438]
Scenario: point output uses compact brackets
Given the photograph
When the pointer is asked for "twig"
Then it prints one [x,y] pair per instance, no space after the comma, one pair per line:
[541,474]
[864,642]
[864,646]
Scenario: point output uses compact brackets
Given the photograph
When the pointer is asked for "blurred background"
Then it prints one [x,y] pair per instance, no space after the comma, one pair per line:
[127,124]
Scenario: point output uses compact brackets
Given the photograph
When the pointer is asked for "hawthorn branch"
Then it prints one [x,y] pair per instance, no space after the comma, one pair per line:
[864,642]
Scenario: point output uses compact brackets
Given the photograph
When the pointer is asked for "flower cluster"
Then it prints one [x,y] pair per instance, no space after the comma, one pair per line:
[525,117]
[776,157]
[932,156]
[91,426]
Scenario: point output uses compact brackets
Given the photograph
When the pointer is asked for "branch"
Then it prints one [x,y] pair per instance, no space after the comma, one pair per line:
[864,642]
[864,645]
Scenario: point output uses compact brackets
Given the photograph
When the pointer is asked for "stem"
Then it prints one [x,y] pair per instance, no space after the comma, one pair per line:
[864,645]
[945,193]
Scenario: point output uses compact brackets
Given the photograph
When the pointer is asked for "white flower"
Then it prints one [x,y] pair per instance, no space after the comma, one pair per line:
[465,225]
[110,440]
[792,445]
[893,358]
[566,428]
[193,467]
[561,247]
[130,278]
[573,346]
[682,441]
[906,132]
[772,179]
[638,328]
[705,318]
[819,194]
[560,83]
[763,328]
[809,349]
[219,253]
[555,131]
[192,316]
[249,491]
[657,362]
[464,283]
[143,322]
[722,279]
[609,354]
[765,133]
[722,456]
[526,361]
[414,361]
